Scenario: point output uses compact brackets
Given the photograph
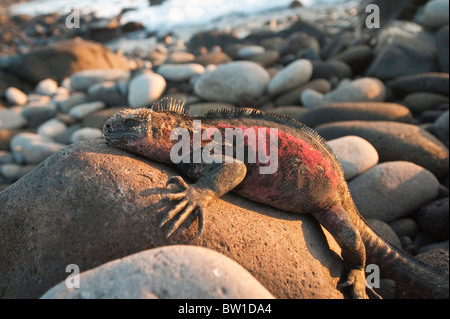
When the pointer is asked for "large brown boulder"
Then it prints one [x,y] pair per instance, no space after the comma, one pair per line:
[90,204]
[65,58]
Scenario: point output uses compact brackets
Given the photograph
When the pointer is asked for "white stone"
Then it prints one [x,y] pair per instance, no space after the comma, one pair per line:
[360,90]
[250,51]
[292,76]
[51,128]
[16,96]
[33,148]
[230,81]
[10,119]
[311,98]
[47,87]
[86,134]
[81,80]
[355,154]
[436,13]
[180,72]
[82,110]
[145,89]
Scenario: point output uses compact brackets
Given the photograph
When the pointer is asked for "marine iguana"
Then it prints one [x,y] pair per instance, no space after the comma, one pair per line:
[309,179]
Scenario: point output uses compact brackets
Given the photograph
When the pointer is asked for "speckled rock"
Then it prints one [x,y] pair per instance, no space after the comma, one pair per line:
[433,218]
[114,219]
[393,190]
[172,272]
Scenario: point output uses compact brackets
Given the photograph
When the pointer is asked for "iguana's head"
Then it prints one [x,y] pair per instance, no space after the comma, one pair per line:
[142,131]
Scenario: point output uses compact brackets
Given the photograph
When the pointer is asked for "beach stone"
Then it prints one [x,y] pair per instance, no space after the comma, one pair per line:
[11,120]
[116,187]
[395,142]
[404,48]
[444,245]
[144,89]
[357,57]
[442,42]
[86,134]
[296,42]
[212,58]
[292,97]
[423,101]
[436,13]
[179,57]
[273,43]
[65,137]
[180,72]
[37,115]
[75,98]
[360,90]
[443,122]
[198,109]
[6,136]
[355,154]
[65,58]
[195,273]
[15,96]
[405,227]
[437,258]
[266,59]
[47,87]
[98,118]
[292,111]
[393,190]
[295,74]
[385,231]
[82,80]
[424,82]
[433,218]
[356,111]
[230,82]
[82,110]
[330,69]
[13,172]
[6,157]
[311,99]
[250,51]
[110,92]
[29,148]
[51,128]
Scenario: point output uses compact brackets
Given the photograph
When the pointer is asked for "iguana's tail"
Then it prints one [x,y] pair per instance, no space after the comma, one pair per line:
[413,278]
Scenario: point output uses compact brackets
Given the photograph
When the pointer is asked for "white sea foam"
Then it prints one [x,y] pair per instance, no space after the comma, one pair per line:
[167,16]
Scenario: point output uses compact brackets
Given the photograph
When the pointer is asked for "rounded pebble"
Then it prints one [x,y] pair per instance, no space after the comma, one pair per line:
[145,89]
[16,96]
[355,154]
[51,128]
[230,82]
[180,72]
[86,134]
[393,190]
[11,120]
[82,110]
[47,87]
[293,75]
[32,148]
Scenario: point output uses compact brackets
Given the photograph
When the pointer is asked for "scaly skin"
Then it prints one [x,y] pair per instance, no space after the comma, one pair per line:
[309,179]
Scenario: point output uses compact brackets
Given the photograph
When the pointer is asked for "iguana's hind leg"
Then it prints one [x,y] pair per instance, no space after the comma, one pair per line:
[338,223]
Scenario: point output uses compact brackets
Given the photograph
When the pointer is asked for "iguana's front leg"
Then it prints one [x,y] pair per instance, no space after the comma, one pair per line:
[213,180]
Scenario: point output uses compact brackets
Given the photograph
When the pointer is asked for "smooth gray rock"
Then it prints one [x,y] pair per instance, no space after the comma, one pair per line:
[170,272]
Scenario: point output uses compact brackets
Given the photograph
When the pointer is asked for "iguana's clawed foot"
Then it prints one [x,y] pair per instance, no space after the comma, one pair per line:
[357,280]
[190,200]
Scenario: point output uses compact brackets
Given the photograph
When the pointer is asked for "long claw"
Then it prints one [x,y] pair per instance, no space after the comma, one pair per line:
[185,214]
[173,197]
[177,180]
[173,212]
[200,221]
